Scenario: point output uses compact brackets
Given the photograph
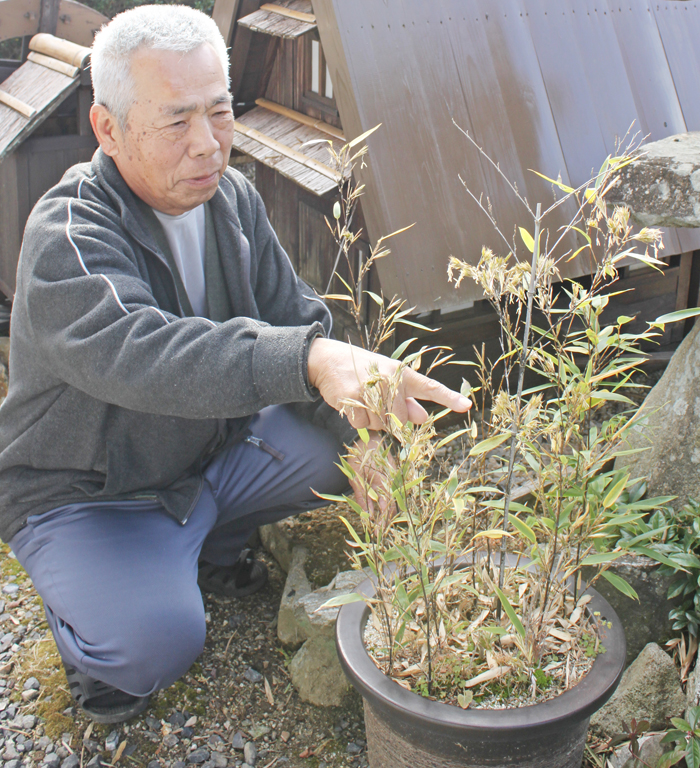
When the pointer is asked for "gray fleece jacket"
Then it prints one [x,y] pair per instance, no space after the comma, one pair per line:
[114,393]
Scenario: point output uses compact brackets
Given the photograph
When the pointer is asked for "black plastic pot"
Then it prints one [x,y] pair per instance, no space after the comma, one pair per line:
[405,730]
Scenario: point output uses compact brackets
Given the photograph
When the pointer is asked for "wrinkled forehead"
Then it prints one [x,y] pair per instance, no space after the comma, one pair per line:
[176,82]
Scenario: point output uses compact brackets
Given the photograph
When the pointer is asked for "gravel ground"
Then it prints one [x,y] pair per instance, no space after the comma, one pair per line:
[235,707]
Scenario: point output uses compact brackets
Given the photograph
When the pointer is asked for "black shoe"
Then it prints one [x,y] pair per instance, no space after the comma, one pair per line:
[241,579]
[101,702]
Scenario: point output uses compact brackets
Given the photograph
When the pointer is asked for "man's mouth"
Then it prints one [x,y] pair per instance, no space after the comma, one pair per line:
[203,181]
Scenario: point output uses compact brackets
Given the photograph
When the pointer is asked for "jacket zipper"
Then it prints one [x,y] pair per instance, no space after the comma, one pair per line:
[264,446]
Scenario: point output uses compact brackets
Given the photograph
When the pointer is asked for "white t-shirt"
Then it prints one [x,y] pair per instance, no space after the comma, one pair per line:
[186,237]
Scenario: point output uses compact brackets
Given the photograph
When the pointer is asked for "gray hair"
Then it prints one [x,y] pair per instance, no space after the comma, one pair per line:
[160,27]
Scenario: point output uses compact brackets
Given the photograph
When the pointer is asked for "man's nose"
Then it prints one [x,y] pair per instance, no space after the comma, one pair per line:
[203,142]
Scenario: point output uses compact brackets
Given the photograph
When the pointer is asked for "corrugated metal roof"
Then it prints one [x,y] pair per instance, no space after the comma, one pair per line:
[540,84]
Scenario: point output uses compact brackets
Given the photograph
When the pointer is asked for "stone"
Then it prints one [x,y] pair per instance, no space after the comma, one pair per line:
[250,753]
[278,543]
[62,752]
[650,751]
[178,764]
[153,764]
[30,695]
[218,760]
[11,589]
[317,675]
[252,675]
[31,683]
[177,719]
[10,752]
[662,187]
[649,690]
[197,756]
[238,740]
[670,431]
[170,741]
[315,670]
[152,723]
[296,586]
[95,762]
[52,760]
[112,741]
[14,763]
[258,731]
[92,746]
[27,722]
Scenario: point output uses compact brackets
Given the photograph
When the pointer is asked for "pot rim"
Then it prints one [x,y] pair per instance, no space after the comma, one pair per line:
[578,703]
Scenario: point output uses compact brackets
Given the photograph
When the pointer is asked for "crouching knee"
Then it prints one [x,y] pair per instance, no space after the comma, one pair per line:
[157,650]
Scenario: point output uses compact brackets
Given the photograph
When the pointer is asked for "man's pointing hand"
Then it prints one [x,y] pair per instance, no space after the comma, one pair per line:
[340,370]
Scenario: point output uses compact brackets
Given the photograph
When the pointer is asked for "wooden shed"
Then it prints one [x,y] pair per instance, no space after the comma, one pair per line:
[545,85]
[44,105]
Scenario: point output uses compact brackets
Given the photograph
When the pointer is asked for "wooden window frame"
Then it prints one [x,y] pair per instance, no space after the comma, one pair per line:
[309,98]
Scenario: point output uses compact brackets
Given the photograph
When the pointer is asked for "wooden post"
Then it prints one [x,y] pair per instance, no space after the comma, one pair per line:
[84,104]
[682,293]
[48,21]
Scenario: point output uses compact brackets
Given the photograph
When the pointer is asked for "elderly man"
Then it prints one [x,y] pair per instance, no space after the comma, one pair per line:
[173,383]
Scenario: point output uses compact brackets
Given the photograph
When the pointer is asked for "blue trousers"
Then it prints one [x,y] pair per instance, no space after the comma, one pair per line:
[119,579]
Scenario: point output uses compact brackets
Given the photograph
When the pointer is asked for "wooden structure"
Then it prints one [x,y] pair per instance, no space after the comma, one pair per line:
[286,118]
[547,85]
[44,105]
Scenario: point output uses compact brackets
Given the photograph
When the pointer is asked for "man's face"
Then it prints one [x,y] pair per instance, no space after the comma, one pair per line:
[177,140]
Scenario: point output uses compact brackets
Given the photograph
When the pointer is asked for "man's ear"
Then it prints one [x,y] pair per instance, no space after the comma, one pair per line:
[106,129]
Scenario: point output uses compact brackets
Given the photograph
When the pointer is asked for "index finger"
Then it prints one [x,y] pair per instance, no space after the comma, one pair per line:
[424,388]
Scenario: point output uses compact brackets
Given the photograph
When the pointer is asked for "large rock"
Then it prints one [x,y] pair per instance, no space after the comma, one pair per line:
[650,751]
[645,620]
[315,669]
[671,428]
[649,690]
[295,587]
[662,188]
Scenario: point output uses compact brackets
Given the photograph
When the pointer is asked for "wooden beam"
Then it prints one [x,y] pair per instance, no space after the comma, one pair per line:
[286,151]
[272,106]
[17,104]
[682,296]
[240,46]
[48,19]
[308,18]
[224,14]
[55,64]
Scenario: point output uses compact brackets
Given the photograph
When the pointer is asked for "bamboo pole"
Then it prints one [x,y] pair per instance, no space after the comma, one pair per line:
[272,106]
[55,64]
[309,18]
[17,104]
[63,50]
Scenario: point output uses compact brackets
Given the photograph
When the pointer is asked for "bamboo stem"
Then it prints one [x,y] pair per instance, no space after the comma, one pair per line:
[519,395]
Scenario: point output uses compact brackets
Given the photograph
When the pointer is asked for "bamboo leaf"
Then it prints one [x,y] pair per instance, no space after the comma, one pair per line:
[450,438]
[674,317]
[525,529]
[556,182]
[620,584]
[335,602]
[508,608]
[402,348]
[488,445]
[362,137]
[601,557]
[615,492]
[527,239]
